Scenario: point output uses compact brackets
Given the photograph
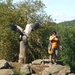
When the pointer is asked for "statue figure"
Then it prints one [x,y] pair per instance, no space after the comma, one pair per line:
[24,34]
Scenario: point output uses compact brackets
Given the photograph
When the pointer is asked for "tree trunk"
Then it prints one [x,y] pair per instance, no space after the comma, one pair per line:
[23,54]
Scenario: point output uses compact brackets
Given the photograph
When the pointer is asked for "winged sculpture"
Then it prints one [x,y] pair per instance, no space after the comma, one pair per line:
[24,34]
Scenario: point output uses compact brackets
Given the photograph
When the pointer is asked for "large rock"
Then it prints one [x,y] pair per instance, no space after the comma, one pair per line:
[26,69]
[56,70]
[4,64]
[6,72]
[5,68]
[44,61]
[38,61]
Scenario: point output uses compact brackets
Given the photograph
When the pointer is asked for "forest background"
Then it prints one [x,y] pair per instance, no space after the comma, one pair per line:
[33,11]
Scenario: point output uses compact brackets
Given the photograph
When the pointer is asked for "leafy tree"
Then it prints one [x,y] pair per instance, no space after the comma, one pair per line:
[21,14]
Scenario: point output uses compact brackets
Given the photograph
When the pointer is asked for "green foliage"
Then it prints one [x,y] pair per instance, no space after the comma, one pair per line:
[67,37]
[17,72]
[21,14]
[68,23]
[38,43]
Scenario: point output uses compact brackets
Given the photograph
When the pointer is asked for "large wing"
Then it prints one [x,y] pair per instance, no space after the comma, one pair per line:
[31,27]
[17,28]
[35,26]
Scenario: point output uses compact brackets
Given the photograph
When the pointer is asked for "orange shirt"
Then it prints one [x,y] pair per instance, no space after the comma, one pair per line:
[55,42]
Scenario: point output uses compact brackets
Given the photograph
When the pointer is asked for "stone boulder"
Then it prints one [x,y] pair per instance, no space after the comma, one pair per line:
[5,68]
[6,72]
[56,70]
[4,64]
[26,69]
[36,62]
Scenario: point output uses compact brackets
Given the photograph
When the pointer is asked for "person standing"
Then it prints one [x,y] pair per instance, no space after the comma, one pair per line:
[54,40]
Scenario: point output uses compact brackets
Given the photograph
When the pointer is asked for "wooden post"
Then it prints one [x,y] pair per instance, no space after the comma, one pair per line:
[23,54]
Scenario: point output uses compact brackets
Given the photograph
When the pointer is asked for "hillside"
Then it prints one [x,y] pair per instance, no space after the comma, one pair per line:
[68,23]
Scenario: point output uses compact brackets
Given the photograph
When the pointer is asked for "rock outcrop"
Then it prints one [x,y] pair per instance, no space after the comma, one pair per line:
[5,68]
[37,67]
